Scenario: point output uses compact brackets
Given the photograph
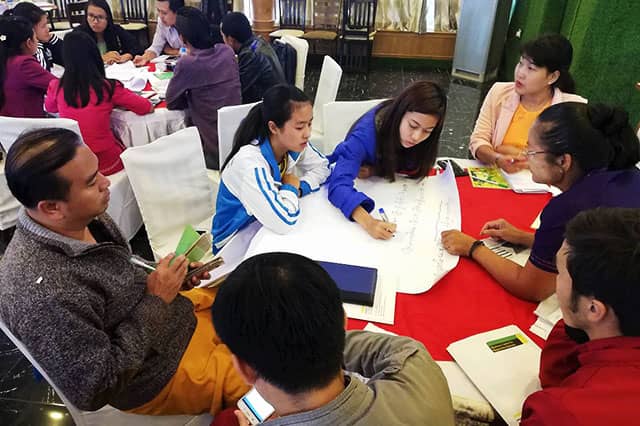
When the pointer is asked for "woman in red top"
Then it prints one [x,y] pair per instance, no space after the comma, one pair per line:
[23,81]
[84,94]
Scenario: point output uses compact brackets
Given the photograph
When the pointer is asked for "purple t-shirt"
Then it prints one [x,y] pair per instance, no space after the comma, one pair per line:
[620,188]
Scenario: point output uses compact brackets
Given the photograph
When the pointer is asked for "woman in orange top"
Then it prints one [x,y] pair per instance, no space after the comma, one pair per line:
[541,79]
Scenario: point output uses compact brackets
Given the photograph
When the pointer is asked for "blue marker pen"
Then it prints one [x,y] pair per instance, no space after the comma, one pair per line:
[383,215]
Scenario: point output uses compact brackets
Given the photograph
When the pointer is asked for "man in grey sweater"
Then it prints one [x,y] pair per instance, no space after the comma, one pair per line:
[102,329]
[281,316]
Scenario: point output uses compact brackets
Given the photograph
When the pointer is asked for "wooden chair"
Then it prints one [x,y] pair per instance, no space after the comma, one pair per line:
[76,13]
[292,18]
[324,36]
[135,18]
[357,33]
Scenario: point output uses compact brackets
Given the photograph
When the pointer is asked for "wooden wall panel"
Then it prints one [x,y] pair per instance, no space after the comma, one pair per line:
[395,44]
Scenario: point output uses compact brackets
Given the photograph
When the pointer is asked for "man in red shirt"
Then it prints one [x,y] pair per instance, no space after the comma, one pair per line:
[590,366]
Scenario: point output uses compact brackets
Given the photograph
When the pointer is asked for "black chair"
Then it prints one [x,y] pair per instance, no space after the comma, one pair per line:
[58,16]
[324,36]
[292,17]
[216,9]
[135,18]
[357,33]
[76,13]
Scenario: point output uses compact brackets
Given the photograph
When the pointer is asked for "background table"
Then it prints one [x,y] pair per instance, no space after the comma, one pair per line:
[467,300]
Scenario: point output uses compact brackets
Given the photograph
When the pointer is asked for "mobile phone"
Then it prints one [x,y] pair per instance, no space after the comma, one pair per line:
[254,407]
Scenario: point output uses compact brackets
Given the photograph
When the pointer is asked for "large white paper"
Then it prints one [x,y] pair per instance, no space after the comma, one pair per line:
[549,313]
[413,261]
[506,377]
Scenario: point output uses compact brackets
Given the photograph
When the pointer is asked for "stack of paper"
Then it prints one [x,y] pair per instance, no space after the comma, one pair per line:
[504,365]
[514,252]
[549,313]
[131,77]
[522,182]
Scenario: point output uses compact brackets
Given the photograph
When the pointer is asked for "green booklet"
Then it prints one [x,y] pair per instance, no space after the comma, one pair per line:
[193,245]
[487,177]
[164,75]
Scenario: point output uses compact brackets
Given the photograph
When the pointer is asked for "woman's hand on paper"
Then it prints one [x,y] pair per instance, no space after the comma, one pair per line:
[456,242]
[365,172]
[111,57]
[510,159]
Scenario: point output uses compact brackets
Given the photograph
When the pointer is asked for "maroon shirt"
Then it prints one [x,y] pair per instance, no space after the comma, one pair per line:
[205,81]
[24,87]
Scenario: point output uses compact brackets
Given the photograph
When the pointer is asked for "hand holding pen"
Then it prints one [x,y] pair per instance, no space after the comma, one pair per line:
[381,229]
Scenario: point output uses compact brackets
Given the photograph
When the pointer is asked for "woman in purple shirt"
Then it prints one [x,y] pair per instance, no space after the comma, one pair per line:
[23,81]
[589,152]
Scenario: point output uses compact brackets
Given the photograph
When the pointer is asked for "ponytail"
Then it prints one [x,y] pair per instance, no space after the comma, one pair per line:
[277,105]
[14,31]
[596,136]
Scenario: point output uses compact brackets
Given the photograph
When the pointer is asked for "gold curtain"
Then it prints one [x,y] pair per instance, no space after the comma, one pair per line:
[446,15]
[399,15]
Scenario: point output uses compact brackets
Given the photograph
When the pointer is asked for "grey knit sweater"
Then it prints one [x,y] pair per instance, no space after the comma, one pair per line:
[83,312]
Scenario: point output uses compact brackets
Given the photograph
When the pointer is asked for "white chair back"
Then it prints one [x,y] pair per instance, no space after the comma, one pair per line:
[107,415]
[302,50]
[339,117]
[229,118]
[169,180]
[122,206]
[328,85]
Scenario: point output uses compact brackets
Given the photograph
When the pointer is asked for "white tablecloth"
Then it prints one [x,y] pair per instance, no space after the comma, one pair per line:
[136,130]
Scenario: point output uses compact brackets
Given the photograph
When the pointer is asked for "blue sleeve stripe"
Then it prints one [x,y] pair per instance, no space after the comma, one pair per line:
[273,207]
[274,193]
[321,155]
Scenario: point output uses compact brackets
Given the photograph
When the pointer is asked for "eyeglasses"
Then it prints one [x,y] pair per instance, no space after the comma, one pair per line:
[532,153]
[96,18]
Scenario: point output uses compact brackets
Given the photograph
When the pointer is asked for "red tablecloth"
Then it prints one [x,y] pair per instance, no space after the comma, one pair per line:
[467,300]
[152,68]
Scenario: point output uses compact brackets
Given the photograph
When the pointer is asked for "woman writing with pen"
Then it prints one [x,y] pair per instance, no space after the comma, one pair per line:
[589,152]
[541,78]
[400,135]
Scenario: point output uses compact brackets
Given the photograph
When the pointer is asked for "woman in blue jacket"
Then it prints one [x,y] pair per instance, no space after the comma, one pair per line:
[257,181]
[400,135]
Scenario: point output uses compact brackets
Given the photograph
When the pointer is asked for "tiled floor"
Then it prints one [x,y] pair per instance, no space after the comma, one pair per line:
[28,400]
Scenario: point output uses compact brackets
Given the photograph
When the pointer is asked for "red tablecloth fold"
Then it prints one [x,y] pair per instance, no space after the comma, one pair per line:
[468,301]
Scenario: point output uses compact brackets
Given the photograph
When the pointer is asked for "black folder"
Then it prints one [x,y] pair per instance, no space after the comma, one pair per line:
[357,284]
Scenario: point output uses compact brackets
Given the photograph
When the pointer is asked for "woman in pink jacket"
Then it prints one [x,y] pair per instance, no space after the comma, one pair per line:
[23,81]
[541,79]
[84,94]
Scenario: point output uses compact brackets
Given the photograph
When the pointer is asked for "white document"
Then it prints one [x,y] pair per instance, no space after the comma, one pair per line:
[413,261]
[504,366]
[233,253]
[122,72]
[541,328]
[384,304]
[522,182]
[375,329]
[160,58]
[549,313]
[57,70]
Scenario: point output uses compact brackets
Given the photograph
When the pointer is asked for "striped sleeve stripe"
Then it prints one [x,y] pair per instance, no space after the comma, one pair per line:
[272,195]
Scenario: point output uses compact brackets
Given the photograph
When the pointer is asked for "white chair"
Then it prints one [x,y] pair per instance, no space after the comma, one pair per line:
[328,85]
[229,119]
[107,415]
[170,182]
[339,117]
[302,50]
[122,206]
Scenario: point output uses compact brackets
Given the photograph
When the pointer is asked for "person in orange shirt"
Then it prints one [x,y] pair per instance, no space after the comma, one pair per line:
[541,79]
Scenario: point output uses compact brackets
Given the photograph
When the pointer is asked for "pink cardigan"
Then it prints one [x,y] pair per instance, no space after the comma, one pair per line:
[497,111]
[95,120]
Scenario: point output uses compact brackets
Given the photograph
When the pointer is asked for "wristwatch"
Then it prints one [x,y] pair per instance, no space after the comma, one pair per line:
[474,246]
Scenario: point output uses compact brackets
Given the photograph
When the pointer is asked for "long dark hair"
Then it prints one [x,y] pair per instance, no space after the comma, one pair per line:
[277,105]
[27,10]
[110,37]
[596,136]
[84,70]
[14,31]
[555,53]
[424,97]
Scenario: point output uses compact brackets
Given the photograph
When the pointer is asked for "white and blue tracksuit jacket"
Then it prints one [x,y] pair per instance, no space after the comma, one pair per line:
[251,189]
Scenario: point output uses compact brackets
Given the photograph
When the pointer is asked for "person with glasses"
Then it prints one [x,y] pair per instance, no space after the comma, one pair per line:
[49,45]
[166,40]
[541,78]
[115,44]
[587,151]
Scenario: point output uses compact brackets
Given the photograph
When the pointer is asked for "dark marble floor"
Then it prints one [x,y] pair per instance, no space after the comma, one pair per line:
[26,399]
